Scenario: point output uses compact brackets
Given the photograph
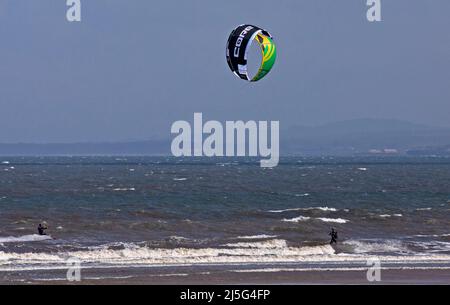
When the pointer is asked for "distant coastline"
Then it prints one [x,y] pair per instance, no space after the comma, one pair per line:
[366,137]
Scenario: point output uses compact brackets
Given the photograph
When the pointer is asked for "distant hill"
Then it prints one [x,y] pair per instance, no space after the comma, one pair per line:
[354,137]
[363,136]
[430,151]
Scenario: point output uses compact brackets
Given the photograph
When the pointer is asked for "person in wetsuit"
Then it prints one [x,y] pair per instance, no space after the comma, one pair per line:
[41,229]
[334,236]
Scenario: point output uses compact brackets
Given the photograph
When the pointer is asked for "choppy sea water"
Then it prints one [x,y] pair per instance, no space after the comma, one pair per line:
[167,213]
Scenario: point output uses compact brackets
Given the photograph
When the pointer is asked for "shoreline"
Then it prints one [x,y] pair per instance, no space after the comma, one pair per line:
[144,276]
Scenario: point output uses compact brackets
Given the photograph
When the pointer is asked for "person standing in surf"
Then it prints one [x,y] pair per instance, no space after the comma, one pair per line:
[41,228]
[334,236]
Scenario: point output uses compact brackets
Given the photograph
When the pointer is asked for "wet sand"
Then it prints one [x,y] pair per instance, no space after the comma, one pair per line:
[144,277]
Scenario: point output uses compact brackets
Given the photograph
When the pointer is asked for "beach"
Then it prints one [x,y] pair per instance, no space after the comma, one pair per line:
[144,277]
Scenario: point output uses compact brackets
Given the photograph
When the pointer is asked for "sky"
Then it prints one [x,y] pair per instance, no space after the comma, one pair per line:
[129,69]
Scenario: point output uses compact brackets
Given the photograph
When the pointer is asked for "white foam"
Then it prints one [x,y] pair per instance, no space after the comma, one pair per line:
[325,209]
[179,179]
[433,235]
[336,220]
[377,246]
[270,251]
[305,218]
[297,219]
[388,215]
[135,256]
[285,210]
[261,236]
[25,238]
[269,244]
[124,189]
[362,169]
[302,195]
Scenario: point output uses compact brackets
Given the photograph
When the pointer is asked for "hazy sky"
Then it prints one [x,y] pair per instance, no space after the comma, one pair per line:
[131,68]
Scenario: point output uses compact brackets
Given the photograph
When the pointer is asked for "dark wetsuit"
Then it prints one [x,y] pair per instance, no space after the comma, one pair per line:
[334,237]
[41,230]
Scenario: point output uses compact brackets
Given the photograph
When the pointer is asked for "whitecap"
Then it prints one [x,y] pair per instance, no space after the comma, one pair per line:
[336,220]
[273,243]
[324,209]
[297,219]
[124,189]
[388,215]
[25,238]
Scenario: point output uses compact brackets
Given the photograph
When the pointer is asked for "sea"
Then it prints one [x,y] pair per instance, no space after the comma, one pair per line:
[119,216]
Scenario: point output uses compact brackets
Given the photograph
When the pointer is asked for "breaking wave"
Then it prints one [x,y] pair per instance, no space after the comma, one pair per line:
[25,238]
[297,219]
[304,218]
[265,252]
[324,209]
[336,220]
[252,252]
[377,246]
[262,236]
[388,215]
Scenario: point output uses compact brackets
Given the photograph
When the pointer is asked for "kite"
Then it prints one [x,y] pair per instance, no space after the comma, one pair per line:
[238,45]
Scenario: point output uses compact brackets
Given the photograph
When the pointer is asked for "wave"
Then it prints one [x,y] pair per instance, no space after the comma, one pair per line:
[377,246]
[325,209]
[261,236]
[433,246]
[268,252]
[302,195]
[388,215]
[336,220]
[274,243]
[304,218]
[124,189]
[434,235]
[24,238]
[297,219]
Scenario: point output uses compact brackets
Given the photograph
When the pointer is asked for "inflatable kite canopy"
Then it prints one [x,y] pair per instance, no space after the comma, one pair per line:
[238,46]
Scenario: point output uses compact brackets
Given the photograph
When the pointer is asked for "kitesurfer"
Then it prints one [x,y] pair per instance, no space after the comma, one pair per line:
[41,229]
[334,236]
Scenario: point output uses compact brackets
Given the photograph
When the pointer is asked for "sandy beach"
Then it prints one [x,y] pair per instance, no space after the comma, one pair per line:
[230,275]
[142,277]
